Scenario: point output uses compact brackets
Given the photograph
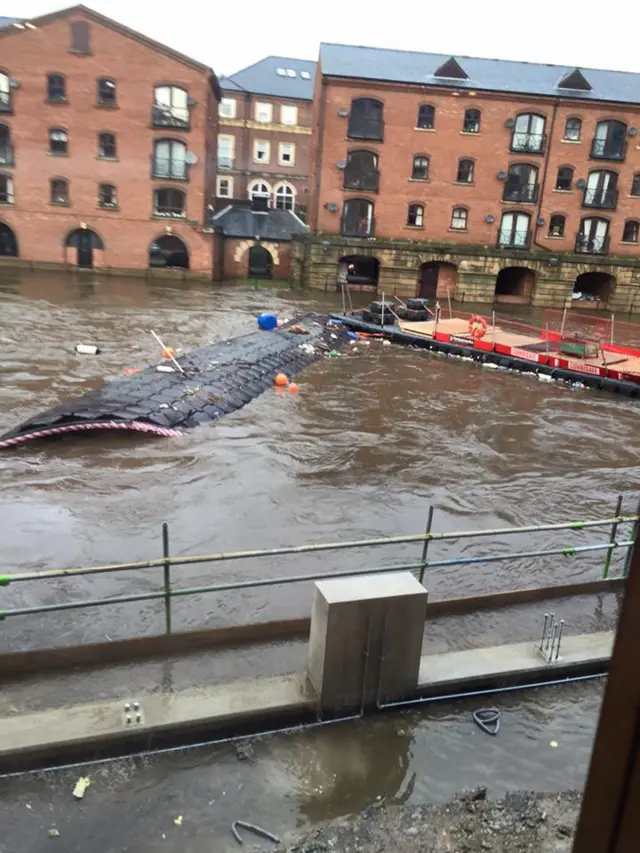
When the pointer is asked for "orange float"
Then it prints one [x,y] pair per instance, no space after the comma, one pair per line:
[281,380]
[293,388]
[477,327]
[131,371]
[168,353]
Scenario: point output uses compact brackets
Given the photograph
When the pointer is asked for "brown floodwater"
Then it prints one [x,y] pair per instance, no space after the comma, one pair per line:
[369,442]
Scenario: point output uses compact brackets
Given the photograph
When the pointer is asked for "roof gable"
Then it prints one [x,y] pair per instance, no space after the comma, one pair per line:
[452,70]
[575,80]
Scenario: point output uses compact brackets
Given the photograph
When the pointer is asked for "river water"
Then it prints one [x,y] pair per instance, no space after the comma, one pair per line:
[369,442]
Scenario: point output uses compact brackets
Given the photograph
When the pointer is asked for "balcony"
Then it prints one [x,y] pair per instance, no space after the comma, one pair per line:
[357,228]
[168,169]
[364,128]
[524,193]
[163,116]
[225,162]
[357,179]
[6,155]
[5,102]
[528,143]
[604,149]
[514,240]
[587,245]
[600,199]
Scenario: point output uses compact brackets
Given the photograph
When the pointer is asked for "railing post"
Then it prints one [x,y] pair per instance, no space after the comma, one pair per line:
[612,539]
[425,547]
[167,578]
[633,538]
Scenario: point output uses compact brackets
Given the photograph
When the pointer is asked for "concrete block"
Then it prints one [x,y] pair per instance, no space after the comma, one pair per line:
[366,639]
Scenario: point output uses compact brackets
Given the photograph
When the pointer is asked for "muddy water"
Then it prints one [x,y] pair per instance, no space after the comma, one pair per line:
[370,441]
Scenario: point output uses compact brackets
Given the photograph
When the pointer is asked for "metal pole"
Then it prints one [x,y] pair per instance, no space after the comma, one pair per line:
[612,539]
[449,301]
[612,322]
[547,335]
[382,314]
[633,536]
[564,317]
[167,578]
[425,546]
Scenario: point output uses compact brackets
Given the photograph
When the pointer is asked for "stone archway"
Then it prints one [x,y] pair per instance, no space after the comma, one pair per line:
[515,285]
[260,262]
[84,242]
[593,289]
[362,270]
[8,242]
[170,252]
[436,279]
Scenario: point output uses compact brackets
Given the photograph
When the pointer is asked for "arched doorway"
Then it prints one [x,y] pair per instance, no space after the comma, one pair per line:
[436,278]
[594,288]
[8,242]
[260,262]
[170,252]
[515,284]
[85,242]
[358,269]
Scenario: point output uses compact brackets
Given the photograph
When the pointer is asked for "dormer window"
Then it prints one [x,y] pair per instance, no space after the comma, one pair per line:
[575,81]
[451,70]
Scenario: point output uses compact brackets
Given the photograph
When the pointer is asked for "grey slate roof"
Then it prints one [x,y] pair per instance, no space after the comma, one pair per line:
[240,221]
[4,22]
[494,75]
[262,78]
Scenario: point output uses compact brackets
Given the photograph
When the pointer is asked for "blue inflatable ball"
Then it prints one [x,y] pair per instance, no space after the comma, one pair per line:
[267,322]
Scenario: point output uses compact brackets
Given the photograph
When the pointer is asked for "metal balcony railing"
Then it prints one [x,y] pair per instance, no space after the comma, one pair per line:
[5,102]
[603,149]
[592,245]
[358,179]
[363,128]
[520,192]
[6,155]
[514,240]
[354,227]
[165,167]
[600,199]
[528,143]
[163,116]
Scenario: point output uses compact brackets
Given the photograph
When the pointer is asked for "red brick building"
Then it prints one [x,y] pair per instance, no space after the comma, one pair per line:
[483,177]
[107,147]
[264,137]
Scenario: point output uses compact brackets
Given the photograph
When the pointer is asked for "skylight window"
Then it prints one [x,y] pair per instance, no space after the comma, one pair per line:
[305,75]
[281,72]
[291,72]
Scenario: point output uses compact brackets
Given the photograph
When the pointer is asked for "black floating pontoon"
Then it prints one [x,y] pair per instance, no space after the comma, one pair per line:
[216,380]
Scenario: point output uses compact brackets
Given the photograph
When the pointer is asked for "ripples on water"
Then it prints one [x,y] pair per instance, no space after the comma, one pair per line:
[369,442]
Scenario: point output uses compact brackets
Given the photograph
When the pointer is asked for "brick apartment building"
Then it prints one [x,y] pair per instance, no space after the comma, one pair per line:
[107,146]
[487,178]
[264,137]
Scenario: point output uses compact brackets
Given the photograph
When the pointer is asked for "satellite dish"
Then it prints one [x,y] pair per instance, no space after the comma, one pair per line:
[191,158]
[510,122]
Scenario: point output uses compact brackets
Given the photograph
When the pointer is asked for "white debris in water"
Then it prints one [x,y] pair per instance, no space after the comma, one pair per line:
[307,349]
[386,343]
[489,365]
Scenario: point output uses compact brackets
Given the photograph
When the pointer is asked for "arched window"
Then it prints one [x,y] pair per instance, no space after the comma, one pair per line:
[169,202]
[635,184]
[593,237]
[572,129]
[59,191]
[459,218]
[56,87]
[420,169]
[426,117]
[170,107]
[471,122]
[259,188]
[361,172]
[5,93]
[564,178]
[465,172]
[521,184]
[557,225]
[285,197]
[415,215]
[107,196]
[630,231]
[169,159]
[107,149]
[58,141]
[6,149]
[106,92]
[601,190]
[6,189]
[366,119]
[610,141]
[357,218]
[514,230]
[528,134]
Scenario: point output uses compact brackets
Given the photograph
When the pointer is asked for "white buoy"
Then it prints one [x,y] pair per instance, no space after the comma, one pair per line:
[165,368]
[87,349]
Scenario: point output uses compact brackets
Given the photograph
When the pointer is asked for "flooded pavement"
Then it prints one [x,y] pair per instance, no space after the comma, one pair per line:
[369,442]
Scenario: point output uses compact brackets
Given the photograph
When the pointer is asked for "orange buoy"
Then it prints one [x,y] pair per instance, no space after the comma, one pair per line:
[293,387]
[131,371]
[281,380]
[168,353]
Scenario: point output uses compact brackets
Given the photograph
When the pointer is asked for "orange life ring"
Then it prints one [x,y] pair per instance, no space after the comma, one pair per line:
[477,327]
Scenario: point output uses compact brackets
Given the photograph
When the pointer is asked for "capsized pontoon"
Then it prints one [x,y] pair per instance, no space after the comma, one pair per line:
[217,380]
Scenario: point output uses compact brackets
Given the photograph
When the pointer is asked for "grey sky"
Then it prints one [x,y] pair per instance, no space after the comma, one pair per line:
[229,36]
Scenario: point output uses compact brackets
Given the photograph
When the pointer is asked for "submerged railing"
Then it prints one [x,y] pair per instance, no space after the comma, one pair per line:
[166,563]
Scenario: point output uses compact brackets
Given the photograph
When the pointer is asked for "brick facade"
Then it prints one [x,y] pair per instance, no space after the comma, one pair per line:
[118,232]
[468,260]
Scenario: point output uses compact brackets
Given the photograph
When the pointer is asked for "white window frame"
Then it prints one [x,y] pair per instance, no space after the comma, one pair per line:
[263,107]
[232,147]
[281,148]
[284,109]
[294,195]
[219,180]
[259,182]
[227,108]
[267,149]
